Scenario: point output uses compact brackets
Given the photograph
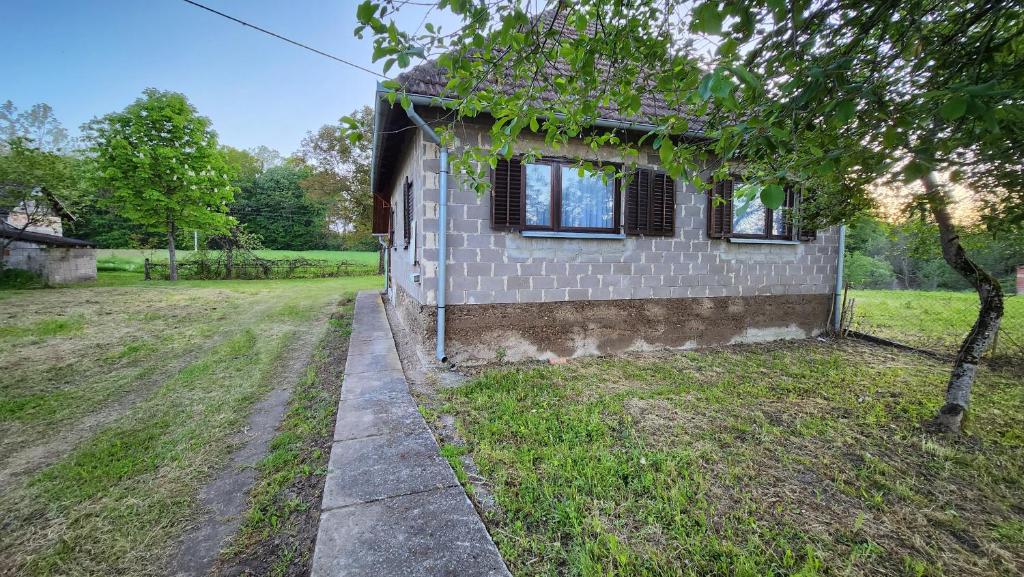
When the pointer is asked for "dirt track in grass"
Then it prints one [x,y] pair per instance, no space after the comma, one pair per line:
[117,404]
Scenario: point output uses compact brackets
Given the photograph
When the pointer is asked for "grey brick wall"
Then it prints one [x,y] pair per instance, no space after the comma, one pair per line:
[487,266]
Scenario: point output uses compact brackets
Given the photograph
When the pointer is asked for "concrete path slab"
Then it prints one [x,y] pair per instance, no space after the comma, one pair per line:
[374,468]
[420,535]
[392,505]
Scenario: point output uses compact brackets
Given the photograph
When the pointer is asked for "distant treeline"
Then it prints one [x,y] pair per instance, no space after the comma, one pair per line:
[907,255]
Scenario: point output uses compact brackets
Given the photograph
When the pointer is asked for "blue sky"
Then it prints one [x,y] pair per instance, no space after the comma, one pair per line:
[87,58]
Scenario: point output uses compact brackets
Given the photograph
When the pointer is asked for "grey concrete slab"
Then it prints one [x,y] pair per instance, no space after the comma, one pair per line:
[431,534]
[356,385]
[381,415]
[371,347]
[372,363]
[391,503]
[372,468]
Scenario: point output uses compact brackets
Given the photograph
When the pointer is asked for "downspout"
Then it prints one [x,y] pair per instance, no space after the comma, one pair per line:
[837,311]
[442,228]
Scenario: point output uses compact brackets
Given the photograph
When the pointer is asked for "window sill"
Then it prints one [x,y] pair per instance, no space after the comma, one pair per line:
[762,241]
[592,235]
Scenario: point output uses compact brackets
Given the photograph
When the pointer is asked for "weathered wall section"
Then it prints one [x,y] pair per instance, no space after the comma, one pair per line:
[55,264]
[580,328]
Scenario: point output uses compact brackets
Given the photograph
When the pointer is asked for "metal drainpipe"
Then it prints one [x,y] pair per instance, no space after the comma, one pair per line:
[837,313]
[442,228]
[442,253]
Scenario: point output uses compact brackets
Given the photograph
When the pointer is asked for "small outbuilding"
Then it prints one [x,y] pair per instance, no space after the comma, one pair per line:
[36,243]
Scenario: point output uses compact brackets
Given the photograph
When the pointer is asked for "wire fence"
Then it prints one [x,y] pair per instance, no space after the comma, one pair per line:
[931,321]
[255,269]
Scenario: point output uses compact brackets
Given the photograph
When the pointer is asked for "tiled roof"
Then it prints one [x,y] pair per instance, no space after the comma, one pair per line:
[429,79]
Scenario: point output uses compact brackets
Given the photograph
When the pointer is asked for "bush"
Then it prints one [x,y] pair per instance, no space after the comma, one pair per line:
[18,279]
[863,271]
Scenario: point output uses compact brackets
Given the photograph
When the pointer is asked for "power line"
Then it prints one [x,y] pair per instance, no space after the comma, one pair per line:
[288,40]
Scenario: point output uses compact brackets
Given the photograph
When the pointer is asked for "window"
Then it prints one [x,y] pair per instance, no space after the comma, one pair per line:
[407,212]
[731,217]
[752,219]
[552,195]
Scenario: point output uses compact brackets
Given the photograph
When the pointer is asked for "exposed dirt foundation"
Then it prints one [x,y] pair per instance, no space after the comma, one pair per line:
[495,332]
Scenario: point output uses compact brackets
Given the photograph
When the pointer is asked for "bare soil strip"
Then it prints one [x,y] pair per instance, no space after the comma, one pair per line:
[224,498]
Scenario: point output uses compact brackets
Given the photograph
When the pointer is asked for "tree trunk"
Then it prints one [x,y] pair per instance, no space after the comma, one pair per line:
[380,260]
[958,391]
[172,261]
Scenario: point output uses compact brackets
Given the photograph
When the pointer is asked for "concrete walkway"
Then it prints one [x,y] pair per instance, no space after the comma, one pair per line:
[392,505]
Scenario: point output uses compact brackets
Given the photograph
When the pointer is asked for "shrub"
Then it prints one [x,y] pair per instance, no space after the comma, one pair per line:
[863,271]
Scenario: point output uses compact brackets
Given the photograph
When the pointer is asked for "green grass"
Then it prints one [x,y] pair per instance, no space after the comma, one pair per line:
[936,320]
[117,403]
[132,260]
[792,459]
[282,500]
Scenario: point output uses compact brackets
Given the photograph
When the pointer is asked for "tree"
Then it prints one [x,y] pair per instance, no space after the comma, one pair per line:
[160,161]
[826,96]
[32,182]
[275,207]
[38,125]
[341,170]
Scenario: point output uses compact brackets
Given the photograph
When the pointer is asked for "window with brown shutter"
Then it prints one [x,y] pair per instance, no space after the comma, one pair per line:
[407,212]
[751,219]
[650,203]
[507,195]
[720,209]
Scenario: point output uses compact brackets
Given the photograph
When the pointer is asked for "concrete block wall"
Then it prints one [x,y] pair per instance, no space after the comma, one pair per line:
[487,266]
[491,266]
[56,265]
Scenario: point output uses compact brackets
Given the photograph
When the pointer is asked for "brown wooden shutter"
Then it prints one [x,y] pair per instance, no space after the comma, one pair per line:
[720,212]
[650,203]
[381,212]
[508,191]
[407,216]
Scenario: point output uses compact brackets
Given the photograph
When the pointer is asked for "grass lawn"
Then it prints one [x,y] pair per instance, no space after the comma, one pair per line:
[804,458]
[936,320]
[120,399]
[118,259]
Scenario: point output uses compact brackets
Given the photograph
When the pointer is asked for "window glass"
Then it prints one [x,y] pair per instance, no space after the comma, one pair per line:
[538,194]
[748,216]
[588,201]
[779,222]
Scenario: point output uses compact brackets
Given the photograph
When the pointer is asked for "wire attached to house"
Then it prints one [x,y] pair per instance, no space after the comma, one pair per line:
[286,39]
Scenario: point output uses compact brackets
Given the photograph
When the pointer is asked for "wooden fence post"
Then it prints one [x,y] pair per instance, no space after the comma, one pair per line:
[146,267]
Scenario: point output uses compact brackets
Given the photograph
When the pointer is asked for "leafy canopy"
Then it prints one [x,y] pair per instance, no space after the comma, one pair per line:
[826,96]
[161,165]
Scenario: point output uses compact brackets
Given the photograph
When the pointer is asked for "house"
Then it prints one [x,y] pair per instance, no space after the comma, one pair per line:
[552,264]
[31,237]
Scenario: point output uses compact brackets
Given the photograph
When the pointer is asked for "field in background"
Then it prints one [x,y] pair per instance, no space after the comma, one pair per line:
[933,320]
[131,260]
[118,400]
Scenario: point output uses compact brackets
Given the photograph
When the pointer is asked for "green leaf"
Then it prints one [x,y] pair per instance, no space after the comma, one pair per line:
[772,196]
[844,111]
[954,108]
[365,11]
[891,137]
[707,19]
